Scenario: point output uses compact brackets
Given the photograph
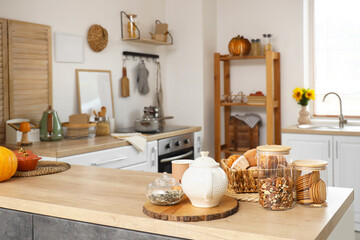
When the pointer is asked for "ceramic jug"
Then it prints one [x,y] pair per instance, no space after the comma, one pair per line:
[204,182]
[50,126]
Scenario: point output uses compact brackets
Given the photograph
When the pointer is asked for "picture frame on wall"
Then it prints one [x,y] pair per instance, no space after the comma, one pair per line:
[69,48]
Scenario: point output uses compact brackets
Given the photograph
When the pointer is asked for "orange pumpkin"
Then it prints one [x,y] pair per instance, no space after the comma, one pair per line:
[239,46]
[8,164]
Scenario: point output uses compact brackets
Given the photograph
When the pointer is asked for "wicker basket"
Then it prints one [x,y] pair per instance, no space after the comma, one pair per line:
[241,181]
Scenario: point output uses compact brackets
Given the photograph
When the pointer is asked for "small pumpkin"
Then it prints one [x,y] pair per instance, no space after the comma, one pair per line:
[239,46]
[8,164]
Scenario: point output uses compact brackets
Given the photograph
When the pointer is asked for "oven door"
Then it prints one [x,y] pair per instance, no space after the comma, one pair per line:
[165,160]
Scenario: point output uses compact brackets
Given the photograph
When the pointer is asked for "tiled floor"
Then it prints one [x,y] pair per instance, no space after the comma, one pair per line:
[357,235]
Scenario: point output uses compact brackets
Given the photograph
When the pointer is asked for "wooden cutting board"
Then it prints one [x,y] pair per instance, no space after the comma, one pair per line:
[125,88]
[186,212]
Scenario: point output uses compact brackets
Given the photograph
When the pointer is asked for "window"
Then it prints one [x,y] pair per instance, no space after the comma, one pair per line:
[335,56]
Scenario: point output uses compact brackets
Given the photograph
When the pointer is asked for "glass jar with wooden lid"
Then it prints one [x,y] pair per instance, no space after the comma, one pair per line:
[276,185]
[310,177]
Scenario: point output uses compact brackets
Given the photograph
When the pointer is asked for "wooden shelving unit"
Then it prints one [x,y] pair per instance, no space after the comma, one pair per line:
[272,105]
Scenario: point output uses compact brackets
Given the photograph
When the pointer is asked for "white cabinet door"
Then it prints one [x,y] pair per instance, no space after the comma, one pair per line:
[111,158]
[347,168]
[152,156]
[197,144]
[311,146]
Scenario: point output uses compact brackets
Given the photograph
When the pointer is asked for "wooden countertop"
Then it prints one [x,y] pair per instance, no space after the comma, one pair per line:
[115,198]
[68,147]
[295,129]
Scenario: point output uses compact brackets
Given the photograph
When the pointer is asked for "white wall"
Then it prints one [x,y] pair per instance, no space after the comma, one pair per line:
[75,17]
[283,19]
[199,28]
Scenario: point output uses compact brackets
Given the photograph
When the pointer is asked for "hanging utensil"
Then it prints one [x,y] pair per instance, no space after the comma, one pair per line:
[159,94]
[125,88]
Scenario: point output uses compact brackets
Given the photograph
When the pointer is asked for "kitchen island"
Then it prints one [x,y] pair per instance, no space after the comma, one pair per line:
[98,203]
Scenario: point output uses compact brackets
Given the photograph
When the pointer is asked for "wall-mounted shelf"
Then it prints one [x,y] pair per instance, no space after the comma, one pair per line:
[139,38]
[147,41]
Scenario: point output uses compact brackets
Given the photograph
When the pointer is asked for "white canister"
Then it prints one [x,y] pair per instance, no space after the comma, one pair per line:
[204,182]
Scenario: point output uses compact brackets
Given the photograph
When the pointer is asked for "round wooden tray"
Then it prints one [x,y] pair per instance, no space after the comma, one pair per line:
[44,168]
[186,212]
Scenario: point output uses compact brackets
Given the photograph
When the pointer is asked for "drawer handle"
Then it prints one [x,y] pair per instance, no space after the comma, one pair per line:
[176,157]
[108,161]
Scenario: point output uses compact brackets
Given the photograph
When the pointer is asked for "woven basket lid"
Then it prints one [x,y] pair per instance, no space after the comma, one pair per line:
[97,38]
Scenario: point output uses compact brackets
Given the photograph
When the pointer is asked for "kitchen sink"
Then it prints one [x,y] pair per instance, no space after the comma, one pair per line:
[349,128]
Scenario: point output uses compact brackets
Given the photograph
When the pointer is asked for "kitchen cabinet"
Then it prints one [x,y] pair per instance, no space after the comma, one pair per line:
[341,152]
[151,164]
[272,104]
[121,157]
[311,146]
[346,168]
[118,158]
[15,225]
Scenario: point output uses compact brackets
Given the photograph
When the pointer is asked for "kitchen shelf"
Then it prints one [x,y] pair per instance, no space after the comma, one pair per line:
[272,105]
[139,39]
[147,41]
[275,104]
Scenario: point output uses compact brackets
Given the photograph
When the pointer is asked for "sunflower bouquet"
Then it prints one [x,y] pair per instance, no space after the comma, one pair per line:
[303,95]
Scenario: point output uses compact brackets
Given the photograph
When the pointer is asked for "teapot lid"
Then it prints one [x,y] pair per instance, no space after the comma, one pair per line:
[165,180]
[204,161]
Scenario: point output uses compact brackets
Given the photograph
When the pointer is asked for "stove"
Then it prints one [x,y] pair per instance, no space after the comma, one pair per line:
[161,130]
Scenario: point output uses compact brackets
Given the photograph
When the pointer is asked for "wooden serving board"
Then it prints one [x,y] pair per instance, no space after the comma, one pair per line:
[186,212]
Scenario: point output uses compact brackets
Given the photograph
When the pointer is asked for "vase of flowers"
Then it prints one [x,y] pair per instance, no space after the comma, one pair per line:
[302,97]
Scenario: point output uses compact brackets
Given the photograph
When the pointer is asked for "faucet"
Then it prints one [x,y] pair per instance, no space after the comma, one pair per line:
[342,120]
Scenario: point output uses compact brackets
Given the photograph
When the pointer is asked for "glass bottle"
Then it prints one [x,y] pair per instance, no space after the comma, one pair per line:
[267,43]
[276,188]
[131,26]
[310,177]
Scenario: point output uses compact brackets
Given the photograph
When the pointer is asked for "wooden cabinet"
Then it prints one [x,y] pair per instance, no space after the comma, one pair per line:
[272,105]
[342,154]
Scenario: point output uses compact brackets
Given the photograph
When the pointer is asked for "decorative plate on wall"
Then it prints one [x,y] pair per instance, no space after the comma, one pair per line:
[97,38]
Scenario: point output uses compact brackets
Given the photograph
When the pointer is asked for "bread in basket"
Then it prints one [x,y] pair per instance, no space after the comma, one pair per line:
[242,172]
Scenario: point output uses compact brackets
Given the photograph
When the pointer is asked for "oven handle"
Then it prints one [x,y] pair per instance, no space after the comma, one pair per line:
[176,157]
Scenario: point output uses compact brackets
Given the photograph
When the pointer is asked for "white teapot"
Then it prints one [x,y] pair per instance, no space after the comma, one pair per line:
[204,182]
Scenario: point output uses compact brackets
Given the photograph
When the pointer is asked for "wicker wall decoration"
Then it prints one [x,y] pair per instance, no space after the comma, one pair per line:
[97,38]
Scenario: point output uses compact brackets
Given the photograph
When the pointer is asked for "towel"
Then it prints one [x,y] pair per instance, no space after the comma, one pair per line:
[137,140]
[142,79]
[250,119]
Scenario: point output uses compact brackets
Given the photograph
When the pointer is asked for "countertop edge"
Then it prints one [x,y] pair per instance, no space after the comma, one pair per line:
[295,129]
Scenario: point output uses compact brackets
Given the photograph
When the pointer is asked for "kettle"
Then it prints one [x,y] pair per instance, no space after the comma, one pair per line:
[204,182]
[50,126]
